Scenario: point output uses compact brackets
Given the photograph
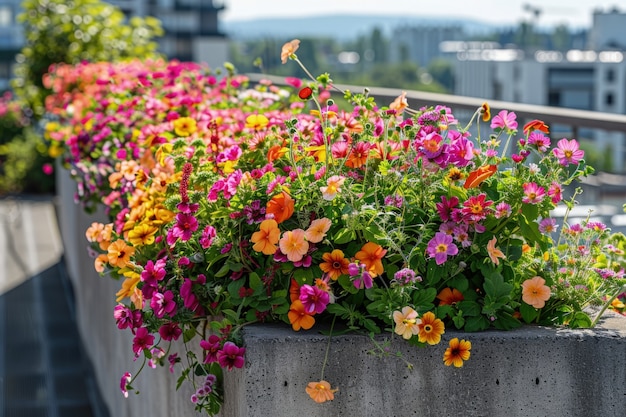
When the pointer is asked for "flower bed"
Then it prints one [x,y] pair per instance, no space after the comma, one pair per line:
[263,204]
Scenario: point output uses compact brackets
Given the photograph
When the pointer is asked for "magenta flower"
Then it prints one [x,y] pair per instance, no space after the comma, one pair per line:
[538,139]
[504,120]
[125,317]
[208,234]
[503,210]
[170,331]
[440,247]
[142,340]
[568,152]
[185,225]
[447,207]
[212,347]
[125,383]
[231,356]
[363,281]
[163,304]
[533,193]
[313,299]
[555,192]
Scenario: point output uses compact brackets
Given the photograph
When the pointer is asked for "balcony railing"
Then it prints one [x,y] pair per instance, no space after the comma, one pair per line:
[575,119]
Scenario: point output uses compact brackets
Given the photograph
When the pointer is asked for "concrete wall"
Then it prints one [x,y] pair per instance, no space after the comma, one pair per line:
[529,372]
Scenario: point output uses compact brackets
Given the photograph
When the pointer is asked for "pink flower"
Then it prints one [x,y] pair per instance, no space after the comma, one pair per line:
[440,247]
[314,299]
[533,193]
[231,356]
[170,331]
[143,340]
[547,225]
[556,192]
[124,383]
[333,186]
[502,210]
[568,152]
[212,347]
[504,120]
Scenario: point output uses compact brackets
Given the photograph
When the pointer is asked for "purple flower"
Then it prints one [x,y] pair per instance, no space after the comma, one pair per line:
[231,356]
[406,276]
[440,247]
[568,152]
[363,281]
[313,299]
[547,225]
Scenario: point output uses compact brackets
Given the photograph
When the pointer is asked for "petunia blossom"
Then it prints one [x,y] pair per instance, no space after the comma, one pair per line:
[504,120]
[407,322]
[266,239]
[335,264]
[231,356]
[320,392]
[440,247]
[371,254]
[535,292]
[298,317]
[333,186]
[317,230]
[430,329]
[294,245]
[314,299]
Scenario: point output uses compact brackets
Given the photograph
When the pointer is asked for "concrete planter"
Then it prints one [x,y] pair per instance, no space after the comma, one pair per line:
[528,372]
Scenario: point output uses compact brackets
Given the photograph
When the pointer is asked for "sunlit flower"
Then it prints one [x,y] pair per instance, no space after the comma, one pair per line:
[457,353]
[371,254]
[400,103]
[358,155]
[320,392]
[289,49]
[548,225]
[298,317]
[533,193]
[407,323]
[280,207]
[535,292]
[494,253]
[266,239]
[294,245]
[335,264]
[333,186]
[485,112]
[568,152]
[440,247]
[504,120]
[535,125]
[317,230]
[119,253]
[430,329]
[476,177]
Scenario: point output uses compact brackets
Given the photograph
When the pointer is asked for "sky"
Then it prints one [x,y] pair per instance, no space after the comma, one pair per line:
[574,13]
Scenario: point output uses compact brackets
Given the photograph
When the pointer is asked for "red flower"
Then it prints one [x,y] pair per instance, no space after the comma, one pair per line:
[476,177]
[305,93]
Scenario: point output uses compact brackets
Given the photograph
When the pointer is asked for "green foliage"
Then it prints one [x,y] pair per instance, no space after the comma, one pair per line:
[60,31]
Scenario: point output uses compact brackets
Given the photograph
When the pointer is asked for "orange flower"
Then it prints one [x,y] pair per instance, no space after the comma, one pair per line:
[485,112]
[266,239]
[458,352]
[476,177]
[371,254]
[536,125]
[289,49]
[335,264]
[128,286]
[294,290]
[298,317]
[93,232]
[294,245]
[280,206]
[100,261]
[449,296]
[535,292]
[494,253]
[119,253]
[399,104]
[430,329]
[317,230]
[275,152]
[320,392]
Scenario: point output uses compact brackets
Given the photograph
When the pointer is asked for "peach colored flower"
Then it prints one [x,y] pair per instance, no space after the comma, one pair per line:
[407,323]
[400,103]
[317,230]
[320,391]
[371,254]
[266,239]
[494,253]
[294,245]
[535,292]
[289,49]
[333,186]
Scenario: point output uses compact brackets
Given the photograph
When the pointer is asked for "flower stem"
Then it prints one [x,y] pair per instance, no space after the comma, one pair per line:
[330,335]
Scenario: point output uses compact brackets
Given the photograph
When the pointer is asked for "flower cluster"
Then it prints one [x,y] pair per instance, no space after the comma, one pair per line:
[233,204]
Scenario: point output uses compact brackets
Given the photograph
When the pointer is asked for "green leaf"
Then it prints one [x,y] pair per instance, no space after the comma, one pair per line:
[580,320]
[495,287]
[189,334]
[505,321]
[344,236]
[469,308]
[476,324]
[424,298]
[255,281]
[529,313]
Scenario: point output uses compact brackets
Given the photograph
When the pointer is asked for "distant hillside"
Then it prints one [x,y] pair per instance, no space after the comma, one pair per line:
[340,27]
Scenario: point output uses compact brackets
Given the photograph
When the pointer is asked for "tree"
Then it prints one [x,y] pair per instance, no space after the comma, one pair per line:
[61,31]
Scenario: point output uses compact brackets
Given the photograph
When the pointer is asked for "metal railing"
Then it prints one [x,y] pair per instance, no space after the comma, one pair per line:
[575,119]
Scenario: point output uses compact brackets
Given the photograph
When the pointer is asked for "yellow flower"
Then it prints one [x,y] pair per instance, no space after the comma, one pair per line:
[119,253]
[430,329]
[458,352]
[185,126]
[142,234]
[256,121]
[128,285]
